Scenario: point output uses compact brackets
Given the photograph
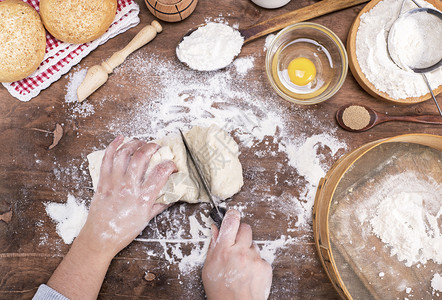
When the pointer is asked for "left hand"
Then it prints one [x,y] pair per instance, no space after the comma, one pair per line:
[125,199]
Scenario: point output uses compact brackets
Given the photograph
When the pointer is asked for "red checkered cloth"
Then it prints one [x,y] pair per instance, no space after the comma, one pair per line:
[60,57]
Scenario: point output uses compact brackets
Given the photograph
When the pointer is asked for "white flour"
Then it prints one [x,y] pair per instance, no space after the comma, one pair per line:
[84,109]
[305,158]
[412,232]
[269,40]
[419,47]
[69,217]
[210,47]
[373,57]
[436,283]
[243,64]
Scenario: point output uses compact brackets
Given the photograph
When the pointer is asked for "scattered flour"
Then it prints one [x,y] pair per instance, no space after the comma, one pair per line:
[374,59]
[210,47]
[243,64]
[268,41]
[75,78]
[175,97]
[436,282]
[69,217]
[304,156]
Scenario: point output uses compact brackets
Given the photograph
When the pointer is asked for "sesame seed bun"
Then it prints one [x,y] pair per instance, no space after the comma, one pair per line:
[22,40]
[77,21]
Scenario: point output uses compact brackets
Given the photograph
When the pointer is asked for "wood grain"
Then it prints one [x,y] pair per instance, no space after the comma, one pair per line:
[31,175]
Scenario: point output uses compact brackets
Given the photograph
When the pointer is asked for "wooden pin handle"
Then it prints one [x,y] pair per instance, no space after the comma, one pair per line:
[97,75]
[306,13]
[143,37]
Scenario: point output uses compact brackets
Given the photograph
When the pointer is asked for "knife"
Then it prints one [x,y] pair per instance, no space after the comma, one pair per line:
[217,213]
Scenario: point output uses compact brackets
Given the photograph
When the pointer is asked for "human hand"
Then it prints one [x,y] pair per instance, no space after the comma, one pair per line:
[120,209]
[124,202]
[234,268]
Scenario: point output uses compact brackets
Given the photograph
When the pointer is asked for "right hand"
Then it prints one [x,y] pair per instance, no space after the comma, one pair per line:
[234,268]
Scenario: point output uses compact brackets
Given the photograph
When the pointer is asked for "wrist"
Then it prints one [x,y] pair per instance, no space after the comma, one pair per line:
[93,250]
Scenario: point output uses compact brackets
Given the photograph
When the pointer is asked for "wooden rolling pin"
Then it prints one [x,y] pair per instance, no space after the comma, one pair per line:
[97,75]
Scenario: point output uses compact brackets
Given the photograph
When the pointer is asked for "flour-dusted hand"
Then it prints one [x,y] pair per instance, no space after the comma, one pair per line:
[122,206]
[125,199]
[234,268]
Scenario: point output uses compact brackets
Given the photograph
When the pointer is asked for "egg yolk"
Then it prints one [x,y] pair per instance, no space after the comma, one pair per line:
[301,71]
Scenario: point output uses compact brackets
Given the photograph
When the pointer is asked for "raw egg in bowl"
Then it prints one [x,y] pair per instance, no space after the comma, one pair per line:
[306,63]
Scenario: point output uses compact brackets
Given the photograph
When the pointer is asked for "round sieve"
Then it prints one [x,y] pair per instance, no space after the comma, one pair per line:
[358,263]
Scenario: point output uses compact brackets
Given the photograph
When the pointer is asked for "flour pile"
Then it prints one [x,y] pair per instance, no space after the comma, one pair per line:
[412,232]
[69,217]
[406,219]
[210,47]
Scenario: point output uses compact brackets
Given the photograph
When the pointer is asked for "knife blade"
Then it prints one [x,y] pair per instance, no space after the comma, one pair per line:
[217,213]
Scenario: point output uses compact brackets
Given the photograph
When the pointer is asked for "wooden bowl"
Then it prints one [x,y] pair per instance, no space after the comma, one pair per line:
[360,76]
[171,10]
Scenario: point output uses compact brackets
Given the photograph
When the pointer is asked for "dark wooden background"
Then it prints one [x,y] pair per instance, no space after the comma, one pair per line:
[28,179]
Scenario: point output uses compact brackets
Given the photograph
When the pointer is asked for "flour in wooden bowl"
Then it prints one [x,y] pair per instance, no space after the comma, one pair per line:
[373,57]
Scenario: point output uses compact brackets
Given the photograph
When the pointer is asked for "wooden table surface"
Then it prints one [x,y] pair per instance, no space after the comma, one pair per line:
[31,175]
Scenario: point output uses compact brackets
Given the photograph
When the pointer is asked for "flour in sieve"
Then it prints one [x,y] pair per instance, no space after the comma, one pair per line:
[419,47]
[374,59]
[407,217]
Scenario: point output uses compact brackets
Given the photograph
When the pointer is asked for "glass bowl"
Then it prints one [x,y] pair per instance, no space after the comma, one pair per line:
[321,47]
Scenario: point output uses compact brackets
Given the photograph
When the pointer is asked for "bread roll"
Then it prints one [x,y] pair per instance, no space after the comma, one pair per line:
[22,40]
[77,21]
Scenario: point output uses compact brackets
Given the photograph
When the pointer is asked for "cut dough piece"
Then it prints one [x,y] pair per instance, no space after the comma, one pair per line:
[216,151]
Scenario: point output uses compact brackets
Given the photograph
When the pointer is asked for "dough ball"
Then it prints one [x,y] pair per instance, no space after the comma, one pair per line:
[22,40]
[77,21]
[217,153]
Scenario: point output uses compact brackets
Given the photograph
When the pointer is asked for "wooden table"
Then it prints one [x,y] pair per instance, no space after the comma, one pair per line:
[31,175]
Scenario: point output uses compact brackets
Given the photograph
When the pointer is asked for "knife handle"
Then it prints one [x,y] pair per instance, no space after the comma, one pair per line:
[216,217]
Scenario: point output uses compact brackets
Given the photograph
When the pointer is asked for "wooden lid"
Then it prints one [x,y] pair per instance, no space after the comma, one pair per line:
[171,10]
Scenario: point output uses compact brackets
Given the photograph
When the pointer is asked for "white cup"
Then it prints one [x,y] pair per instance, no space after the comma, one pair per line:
[271,3]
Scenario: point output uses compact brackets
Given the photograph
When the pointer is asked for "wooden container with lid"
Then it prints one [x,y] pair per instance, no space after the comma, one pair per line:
[171,10]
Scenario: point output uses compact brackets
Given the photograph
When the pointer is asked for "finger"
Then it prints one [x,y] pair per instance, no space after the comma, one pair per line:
[215,233]
[140,160]
[158,208]
[108,158]
[244,236]
[229,228]
[255,249]
[156,180]
[123,155]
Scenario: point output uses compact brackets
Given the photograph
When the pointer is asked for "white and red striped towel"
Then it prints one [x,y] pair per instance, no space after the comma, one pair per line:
[60,57]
